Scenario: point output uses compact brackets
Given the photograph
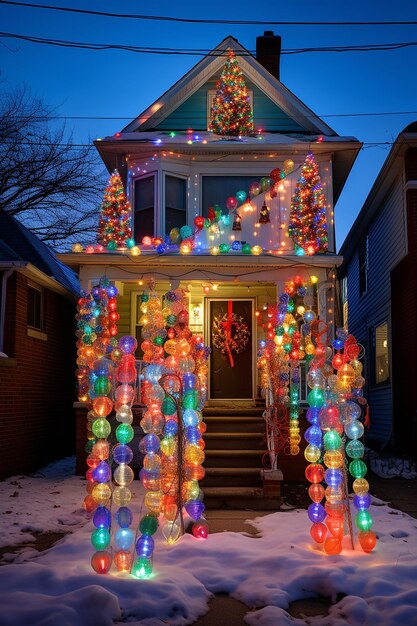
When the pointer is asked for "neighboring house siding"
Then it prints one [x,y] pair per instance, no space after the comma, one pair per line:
[193,112]
[36,383]
[386,247]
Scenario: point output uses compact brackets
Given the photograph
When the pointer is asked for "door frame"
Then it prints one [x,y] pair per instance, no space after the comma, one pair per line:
[207,335]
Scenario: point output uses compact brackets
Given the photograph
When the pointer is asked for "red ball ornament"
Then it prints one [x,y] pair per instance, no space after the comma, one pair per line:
[318,532]
[199,222]
[101,562]
[332,546]
[113,331]
[231,203]
[211,214]
[275,174]
[200,529]
[314,473]
[367,539]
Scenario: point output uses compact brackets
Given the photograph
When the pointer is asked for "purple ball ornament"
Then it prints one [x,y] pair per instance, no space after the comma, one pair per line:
[102,517]
[316,512]
[122,453]
[102,473]
[195,509]
[128,344]
[124,517]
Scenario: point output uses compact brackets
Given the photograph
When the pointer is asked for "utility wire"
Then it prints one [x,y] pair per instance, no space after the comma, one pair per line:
[208,21]
[198,51]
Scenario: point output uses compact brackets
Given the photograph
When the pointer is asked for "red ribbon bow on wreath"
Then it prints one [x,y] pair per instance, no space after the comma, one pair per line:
[227,327]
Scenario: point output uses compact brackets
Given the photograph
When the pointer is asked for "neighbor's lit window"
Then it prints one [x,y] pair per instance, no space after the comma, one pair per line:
[381,354]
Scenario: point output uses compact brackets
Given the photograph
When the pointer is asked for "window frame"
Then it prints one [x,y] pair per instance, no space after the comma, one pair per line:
[183,177]
[153,174]
[40,290]
[374,364]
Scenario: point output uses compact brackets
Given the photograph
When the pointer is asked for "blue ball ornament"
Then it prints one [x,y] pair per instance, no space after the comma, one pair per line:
[124,538]
[102,517]
[195,509]
[316,512]
[124,517]
[145,546]
[122,453]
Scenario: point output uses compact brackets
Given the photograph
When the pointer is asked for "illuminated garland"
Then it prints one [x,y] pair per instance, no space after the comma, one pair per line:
[308,226]
[231,113]
[114,229]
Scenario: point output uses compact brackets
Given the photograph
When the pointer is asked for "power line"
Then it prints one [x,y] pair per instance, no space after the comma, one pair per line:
[63,43]
[208,21]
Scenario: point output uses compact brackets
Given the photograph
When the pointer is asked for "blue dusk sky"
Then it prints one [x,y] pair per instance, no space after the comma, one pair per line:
[119,84]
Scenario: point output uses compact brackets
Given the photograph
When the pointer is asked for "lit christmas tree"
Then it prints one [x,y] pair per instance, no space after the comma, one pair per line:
[231,113]
[114,230]
[308,226]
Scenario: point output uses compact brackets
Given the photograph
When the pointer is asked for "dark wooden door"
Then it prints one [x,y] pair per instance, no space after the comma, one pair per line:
[231,373]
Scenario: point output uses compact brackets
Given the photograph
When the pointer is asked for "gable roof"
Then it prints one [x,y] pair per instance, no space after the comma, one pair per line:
[18,244]
[251,68]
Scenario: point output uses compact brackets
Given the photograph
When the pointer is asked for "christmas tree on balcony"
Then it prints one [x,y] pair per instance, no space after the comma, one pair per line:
[231,113]
[308,225]
[114,230]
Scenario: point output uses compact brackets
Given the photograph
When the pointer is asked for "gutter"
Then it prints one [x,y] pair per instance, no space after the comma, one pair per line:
[8,271]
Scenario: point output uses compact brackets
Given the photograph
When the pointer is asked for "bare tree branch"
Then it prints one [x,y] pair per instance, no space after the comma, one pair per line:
[54,190]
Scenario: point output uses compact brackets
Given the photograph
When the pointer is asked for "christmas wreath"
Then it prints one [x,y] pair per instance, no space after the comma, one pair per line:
[230,334]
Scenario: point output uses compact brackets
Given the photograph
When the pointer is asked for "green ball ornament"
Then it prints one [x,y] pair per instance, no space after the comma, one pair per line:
[130,243]
[112,245]
[355,449]
[332,440]
[168,406]
[144,297]
[363,520]
[102,386]
[358,468]
[90,445]
[101,428]
[124,433]
[148,524]
[224,248]
[171,320]
[142,568]
[159,341]
[100,538]
[316,397]
[246,248]
[190,399]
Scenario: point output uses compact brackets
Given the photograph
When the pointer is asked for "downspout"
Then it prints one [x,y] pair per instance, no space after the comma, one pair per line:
[4,279]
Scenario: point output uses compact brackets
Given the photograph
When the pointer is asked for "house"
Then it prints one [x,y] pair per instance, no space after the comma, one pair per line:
[379,281]
[36,341]
[177,172]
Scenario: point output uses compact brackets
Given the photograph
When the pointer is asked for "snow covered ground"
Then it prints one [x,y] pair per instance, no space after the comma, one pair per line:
[58,587]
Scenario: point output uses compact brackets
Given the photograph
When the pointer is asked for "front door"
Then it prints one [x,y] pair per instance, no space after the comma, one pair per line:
[230,335]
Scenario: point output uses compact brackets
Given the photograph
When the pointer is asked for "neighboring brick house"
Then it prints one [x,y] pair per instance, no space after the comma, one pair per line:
[379,288]
[37,351]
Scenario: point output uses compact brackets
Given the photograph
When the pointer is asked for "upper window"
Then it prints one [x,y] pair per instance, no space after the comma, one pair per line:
[175,202]
[363,266]
[144,207]
[35,308]
[381,354]
[211,94]
[216,189]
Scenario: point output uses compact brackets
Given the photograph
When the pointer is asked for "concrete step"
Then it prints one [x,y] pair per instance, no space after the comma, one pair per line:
[232,477]
[229,440]
[233,458]
[234,423]
[239,498]
[254,411]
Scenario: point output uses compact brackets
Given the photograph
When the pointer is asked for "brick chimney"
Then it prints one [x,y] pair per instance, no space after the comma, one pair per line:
[268,51]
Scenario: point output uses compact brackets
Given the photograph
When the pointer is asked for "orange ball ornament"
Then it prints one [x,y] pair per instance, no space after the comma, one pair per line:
[332,546]
[367,539]
[123,561]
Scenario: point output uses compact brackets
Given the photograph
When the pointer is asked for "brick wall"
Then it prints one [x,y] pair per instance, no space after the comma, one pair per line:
[37,385]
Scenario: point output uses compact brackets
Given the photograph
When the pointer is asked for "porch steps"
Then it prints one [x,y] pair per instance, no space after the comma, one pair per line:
[235,445]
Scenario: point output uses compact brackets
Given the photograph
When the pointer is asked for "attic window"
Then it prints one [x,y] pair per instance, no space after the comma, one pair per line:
[211,94]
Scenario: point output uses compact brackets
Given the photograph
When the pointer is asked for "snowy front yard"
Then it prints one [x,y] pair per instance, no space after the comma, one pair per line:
[268,572]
